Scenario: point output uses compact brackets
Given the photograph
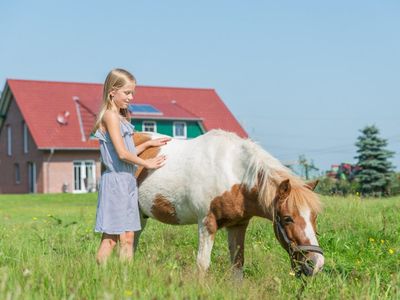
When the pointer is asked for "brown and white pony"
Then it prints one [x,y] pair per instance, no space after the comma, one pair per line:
[220,180]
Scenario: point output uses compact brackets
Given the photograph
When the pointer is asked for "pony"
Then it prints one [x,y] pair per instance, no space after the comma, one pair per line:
[219,180]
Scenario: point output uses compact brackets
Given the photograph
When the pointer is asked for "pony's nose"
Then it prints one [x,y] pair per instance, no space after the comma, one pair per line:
[308,267]
[313,264]
[319,261]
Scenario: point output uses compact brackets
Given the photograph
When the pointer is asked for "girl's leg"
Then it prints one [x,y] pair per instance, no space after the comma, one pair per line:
[108,242]
[126,245]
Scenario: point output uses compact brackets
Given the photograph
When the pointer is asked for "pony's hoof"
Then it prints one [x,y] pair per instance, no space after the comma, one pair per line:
[237,274]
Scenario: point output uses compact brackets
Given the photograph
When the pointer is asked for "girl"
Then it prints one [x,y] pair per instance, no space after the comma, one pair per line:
[117,215]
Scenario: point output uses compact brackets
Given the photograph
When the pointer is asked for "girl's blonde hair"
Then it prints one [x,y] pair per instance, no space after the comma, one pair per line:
[115,80]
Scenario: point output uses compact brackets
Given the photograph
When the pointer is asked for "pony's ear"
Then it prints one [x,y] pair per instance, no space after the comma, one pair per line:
[284,189]
[312,184]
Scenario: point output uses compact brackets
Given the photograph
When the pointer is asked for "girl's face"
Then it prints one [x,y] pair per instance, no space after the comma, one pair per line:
[123,96]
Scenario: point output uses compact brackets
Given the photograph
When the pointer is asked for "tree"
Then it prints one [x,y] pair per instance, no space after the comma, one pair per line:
[373,159]
[307,166]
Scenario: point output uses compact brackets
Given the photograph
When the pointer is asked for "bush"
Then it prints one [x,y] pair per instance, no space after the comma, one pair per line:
[340,187]
[394,186]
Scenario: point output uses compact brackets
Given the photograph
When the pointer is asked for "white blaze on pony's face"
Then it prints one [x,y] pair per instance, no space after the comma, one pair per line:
[298,222]
[310,232]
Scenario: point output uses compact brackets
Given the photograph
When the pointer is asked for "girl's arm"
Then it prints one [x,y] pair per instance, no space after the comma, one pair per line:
[152,143]
[112,123]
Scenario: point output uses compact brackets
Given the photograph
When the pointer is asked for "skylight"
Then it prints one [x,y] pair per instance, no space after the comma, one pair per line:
[143,109]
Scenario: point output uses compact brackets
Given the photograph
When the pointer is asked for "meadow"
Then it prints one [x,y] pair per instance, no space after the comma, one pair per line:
[47,251]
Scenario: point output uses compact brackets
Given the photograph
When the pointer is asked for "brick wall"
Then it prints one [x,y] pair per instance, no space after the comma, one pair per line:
[8,183]
[58,168]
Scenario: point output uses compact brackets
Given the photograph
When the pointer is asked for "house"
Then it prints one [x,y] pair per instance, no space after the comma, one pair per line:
[45,129]
[344,171]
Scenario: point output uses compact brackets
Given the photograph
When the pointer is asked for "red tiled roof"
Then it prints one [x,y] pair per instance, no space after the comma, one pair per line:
[41,101]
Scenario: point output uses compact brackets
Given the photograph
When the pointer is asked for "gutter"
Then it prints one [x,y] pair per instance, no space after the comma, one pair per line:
[48,169]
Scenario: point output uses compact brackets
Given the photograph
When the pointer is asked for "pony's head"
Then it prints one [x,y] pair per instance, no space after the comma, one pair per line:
[295,210]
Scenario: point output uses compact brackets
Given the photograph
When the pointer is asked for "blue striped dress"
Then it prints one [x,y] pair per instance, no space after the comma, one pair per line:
[117,207]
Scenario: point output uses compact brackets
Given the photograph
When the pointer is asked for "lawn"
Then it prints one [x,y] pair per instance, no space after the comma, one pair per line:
[47,251]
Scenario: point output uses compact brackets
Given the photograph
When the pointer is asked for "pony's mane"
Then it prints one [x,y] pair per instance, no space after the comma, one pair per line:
[266,172]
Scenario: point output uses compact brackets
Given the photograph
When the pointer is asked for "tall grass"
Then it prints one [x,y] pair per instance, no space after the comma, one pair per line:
[47,251]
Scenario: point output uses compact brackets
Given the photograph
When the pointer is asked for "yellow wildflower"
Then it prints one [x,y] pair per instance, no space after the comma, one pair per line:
[128,293]
[382,241]
[391,251]
[372,240]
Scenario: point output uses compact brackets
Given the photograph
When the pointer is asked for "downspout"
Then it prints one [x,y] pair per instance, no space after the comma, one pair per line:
[48,169]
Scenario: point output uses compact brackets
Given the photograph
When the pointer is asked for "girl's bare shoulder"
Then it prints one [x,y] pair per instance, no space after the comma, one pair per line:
[107,119]
[110,117]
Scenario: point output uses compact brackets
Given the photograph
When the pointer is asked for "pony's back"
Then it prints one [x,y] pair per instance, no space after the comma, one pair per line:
[196,172]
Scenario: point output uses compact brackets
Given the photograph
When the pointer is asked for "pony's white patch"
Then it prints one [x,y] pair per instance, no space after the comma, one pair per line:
[196,171]
[310,234]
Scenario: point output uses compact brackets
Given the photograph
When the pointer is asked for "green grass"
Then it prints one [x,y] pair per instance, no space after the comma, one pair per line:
[47,251]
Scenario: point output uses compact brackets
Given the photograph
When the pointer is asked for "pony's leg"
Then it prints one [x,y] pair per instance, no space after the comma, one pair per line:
[143,222]
[206,241]
[236,237]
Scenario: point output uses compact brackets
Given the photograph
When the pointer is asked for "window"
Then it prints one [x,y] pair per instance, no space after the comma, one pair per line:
[84,176]
[31,177]
[25,136]
[149,126]
[179,130]
[9,140]
[17,173]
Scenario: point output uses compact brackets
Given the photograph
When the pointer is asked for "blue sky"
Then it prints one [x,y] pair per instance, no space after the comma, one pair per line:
[302,77]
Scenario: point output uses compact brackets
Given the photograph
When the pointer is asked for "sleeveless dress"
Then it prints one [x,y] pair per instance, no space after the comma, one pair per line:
[117,207]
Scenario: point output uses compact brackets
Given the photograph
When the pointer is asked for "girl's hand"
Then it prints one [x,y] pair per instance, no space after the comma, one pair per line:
[158,142]
[156,162]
